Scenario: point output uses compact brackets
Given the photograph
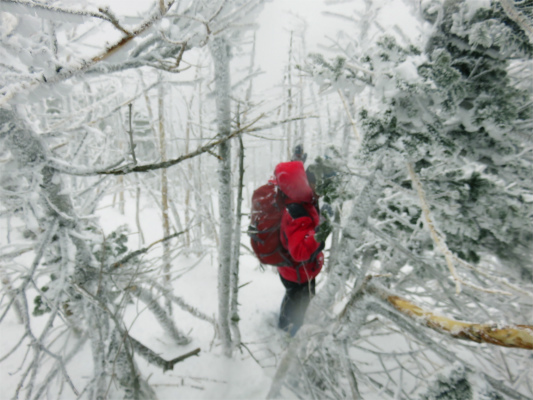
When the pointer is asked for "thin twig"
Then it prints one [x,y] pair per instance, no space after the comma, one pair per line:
[170,163]
[136,253]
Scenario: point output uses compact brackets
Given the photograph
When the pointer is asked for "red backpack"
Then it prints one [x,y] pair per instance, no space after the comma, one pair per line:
[266,213]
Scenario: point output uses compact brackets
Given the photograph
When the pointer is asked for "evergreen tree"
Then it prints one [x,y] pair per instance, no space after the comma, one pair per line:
[463,121]
[441,208]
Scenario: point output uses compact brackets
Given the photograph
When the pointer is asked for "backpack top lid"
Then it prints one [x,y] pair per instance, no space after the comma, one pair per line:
[292,180]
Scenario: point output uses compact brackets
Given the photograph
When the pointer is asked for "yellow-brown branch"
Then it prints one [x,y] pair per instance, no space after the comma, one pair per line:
[519,336]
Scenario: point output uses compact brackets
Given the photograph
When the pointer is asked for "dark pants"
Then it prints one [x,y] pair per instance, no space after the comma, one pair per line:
[294,304]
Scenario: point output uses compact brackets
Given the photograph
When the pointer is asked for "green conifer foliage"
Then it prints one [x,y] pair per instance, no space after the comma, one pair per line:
[464,121]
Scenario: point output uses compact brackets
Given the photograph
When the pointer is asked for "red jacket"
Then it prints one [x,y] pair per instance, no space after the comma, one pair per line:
[298,230]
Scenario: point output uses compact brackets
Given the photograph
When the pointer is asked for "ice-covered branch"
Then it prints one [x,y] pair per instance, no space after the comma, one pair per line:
[155,359]
[518,17]
[166,322]
[39,253]
[169,163]
[51,12]
[439,240]
[136,253]
[349,115]
[183,304]
[430,225]
[69,169]
[353,236]
[66,73]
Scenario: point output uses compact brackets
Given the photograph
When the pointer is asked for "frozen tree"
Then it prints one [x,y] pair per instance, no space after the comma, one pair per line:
[220,50]
[62,113]
[437,229]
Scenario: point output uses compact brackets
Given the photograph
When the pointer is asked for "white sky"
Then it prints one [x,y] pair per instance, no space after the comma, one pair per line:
[279,17]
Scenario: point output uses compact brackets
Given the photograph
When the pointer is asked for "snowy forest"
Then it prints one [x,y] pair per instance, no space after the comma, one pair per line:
[132,139]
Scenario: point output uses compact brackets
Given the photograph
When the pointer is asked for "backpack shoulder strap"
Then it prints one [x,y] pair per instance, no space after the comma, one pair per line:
[297,210]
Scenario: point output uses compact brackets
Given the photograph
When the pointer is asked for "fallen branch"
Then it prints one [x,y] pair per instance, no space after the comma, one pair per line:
[160,314]
[517,336]
[156,359]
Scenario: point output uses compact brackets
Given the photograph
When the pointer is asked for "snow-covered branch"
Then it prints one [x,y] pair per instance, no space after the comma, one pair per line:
[156,359]
[66,73]
[519,18]
[166,322]
[439,240]
[51,12]
[62,166]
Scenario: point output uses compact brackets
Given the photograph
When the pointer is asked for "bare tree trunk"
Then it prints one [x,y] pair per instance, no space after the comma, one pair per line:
[220,53]
[190,173]
[164,187]
[137,185]
[234,311]
[121,198]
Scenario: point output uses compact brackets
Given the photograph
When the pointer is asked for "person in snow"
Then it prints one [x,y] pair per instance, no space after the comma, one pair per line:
[299,223]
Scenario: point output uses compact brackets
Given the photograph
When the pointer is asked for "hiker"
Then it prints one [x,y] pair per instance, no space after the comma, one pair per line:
[299,221]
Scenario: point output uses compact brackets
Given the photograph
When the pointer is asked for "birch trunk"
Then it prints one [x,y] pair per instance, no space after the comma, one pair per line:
[220,53]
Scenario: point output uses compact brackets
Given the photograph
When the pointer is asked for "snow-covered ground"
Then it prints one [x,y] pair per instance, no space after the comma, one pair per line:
[210,375]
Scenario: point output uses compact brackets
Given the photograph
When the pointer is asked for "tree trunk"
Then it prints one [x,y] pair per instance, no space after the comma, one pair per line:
[164,187]
[220,53]
[234,311]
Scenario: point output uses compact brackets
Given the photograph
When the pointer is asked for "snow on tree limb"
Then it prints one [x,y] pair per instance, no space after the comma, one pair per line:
[429,224]
[155,359]
[49,11]
[9,92]
[439,240]
[518,17]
